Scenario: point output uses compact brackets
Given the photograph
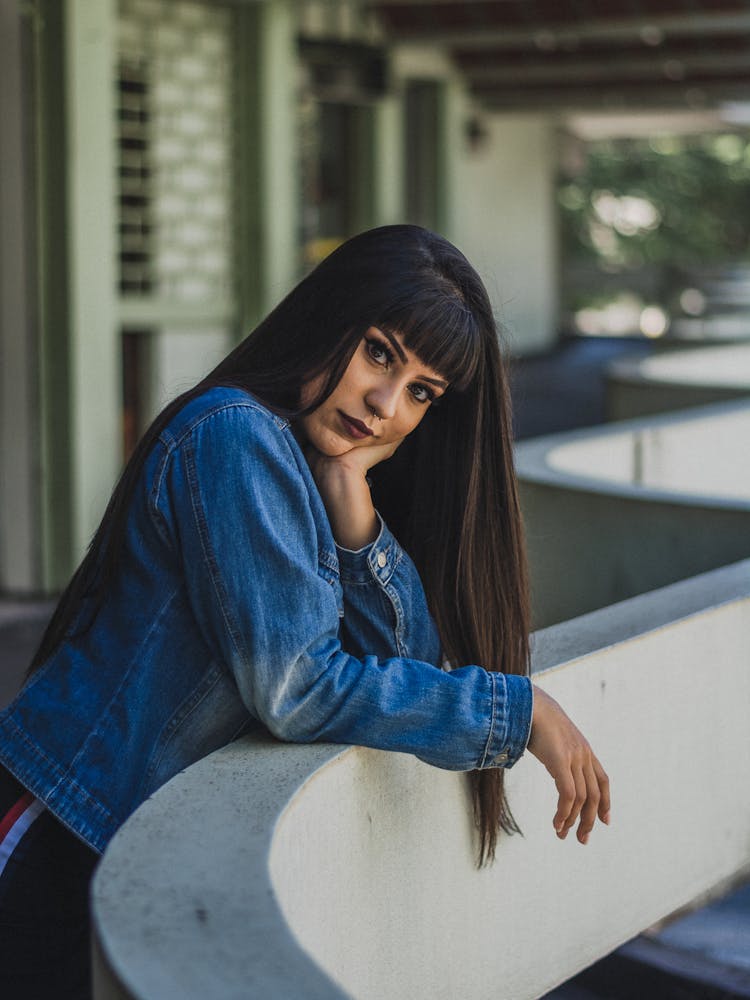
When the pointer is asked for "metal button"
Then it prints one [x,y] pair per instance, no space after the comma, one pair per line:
[382,559]
[501,758]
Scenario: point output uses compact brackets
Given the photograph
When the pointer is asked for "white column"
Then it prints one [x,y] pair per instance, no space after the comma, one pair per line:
[389,161]
[454,115]
[279,198]
[19,425]
[95,350]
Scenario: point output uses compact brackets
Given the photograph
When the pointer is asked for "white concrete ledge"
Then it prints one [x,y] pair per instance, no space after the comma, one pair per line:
[677,380]
[183,902]
[637,616]
[313,871]
[619,510]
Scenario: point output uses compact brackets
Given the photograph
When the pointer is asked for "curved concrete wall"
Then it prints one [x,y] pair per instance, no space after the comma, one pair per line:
[300,871]
[616,511]
[676,380]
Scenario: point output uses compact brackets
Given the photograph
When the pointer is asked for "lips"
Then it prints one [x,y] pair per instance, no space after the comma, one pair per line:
[353,427]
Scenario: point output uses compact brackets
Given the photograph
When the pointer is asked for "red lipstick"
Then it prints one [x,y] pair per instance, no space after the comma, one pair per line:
[353,427]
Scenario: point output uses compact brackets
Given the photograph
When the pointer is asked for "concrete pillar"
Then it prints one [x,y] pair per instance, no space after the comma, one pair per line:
[20,540]
[267,196]
[92,250]
[388,145]
[453,151]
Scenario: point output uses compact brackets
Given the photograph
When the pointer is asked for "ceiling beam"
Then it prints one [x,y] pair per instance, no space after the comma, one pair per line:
[626,96]
[653,66]
[548,36]
[673,48]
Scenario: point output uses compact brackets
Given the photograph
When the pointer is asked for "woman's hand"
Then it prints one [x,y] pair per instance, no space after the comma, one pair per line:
[342,483]
[582,785]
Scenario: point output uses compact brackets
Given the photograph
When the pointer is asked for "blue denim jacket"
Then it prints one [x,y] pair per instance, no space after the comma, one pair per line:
[234,609]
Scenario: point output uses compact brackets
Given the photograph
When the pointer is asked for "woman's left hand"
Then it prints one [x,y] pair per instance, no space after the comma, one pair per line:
[582,784]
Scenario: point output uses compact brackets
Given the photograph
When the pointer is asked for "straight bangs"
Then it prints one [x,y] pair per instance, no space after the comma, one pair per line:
[443,333]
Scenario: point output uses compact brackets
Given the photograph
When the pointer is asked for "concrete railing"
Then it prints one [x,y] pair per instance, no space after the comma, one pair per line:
[280,871]
[615,511]
[677,379]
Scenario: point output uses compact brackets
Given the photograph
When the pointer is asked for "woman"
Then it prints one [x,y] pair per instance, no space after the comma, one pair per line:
[251,569]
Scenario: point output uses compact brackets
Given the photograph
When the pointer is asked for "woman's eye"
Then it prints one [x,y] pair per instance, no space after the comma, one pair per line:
[379,353]
[421,393]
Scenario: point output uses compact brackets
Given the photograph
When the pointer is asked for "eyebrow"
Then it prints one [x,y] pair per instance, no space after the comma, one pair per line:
[404,360]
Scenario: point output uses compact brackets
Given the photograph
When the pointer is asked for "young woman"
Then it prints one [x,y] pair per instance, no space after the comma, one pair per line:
[322,537]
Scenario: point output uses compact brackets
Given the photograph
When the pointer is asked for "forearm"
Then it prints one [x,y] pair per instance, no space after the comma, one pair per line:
[459,720]
[346,496]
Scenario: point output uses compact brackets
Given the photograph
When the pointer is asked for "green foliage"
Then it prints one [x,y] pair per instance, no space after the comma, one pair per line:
[682,201]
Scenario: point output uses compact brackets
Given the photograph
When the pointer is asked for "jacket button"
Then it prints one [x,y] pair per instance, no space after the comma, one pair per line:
[501,758]
[382,559]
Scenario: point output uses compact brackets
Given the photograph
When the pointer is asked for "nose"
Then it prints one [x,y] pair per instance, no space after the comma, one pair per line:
[383,401]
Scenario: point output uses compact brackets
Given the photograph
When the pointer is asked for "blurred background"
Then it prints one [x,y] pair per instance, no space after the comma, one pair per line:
[171,168]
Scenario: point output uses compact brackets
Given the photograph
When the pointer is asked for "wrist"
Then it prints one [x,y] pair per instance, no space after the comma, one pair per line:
[354,534]
[540,706]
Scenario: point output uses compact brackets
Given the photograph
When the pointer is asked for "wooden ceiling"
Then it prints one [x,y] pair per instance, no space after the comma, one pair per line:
[589,54]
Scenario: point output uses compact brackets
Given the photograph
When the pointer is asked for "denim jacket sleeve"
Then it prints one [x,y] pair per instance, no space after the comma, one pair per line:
[385,609]
[235,506]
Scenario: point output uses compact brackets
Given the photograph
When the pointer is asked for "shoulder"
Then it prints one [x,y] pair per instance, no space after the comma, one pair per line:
[225,444]
[228,415]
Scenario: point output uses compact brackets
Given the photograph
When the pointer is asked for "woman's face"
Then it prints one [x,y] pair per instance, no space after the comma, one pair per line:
[382,396]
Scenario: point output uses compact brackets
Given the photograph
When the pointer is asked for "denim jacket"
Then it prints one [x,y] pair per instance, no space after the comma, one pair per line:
[233,609]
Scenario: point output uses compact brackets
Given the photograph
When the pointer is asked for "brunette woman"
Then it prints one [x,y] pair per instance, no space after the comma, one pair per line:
[322,537]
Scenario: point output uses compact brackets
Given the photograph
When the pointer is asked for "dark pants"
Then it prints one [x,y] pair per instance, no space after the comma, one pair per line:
[44,911]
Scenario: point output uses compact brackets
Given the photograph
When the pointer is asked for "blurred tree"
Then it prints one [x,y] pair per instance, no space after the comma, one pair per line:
[682,200]
[645,210]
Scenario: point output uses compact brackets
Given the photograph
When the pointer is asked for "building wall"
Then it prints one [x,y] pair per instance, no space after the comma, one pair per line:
[504,215]
[498,199]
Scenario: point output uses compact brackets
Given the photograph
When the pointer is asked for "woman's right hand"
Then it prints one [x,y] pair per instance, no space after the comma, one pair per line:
[342,483]
[582,785]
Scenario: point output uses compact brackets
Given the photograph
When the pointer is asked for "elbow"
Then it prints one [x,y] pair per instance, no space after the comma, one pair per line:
[310,705]
[293,723]
[289,729]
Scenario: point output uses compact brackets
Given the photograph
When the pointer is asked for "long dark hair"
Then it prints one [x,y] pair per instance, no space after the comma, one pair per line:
[449,493]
